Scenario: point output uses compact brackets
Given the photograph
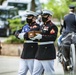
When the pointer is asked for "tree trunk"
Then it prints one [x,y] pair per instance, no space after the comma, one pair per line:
[33,5]
[1,1]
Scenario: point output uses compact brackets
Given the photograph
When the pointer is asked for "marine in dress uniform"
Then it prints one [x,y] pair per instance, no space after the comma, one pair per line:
[29,47]
[44,59]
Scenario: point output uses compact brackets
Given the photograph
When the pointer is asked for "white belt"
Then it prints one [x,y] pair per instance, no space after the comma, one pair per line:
[29,41]
[44,43]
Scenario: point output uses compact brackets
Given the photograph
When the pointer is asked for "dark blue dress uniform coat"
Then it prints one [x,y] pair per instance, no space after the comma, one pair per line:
[29,49]
[49,33]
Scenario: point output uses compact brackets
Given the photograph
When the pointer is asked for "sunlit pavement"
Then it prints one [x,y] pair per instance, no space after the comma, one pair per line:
[9,66]
[58,68]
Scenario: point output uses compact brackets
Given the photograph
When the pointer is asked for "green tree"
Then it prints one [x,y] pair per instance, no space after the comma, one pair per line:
[59,7]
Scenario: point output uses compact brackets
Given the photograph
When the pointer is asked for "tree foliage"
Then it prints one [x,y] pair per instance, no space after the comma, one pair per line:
[59,7]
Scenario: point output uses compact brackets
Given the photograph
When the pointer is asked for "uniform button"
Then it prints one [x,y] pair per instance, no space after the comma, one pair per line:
[45,47]
[31,46]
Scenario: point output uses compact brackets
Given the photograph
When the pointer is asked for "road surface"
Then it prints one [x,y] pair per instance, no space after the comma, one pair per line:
[9,66]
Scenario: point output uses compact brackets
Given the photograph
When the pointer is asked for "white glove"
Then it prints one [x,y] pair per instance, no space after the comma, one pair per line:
[32,38]
[21,36]
[39,36]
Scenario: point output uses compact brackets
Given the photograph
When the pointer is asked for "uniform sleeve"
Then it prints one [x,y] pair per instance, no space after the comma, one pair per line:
[52,35]
[26,36]
[64,25]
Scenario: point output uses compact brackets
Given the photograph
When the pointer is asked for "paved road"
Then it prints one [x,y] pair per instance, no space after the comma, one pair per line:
[9,66]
